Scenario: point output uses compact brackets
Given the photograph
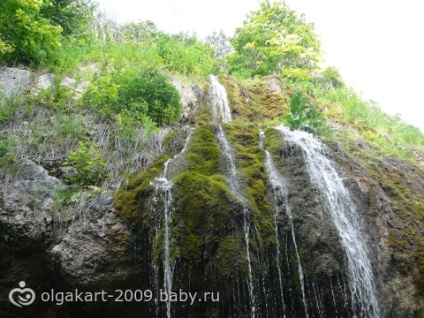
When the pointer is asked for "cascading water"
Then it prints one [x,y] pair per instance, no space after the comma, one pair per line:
[221,111]
[280,194]
[235,188]
[345,217]
[164,187]
[219,102]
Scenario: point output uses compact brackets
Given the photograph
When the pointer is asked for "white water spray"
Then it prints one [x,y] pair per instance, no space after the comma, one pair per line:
[345,217]
[221,111]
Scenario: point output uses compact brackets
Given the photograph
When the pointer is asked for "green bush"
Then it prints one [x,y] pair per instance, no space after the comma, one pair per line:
[303,116]
[136,95]
[186,54]
[150,93]
[89,163]
[6,145]
[25,35]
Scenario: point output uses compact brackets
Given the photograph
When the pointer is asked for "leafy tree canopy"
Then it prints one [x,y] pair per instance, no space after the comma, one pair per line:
[32,30]
[26,36]
[274,40]
[72,15]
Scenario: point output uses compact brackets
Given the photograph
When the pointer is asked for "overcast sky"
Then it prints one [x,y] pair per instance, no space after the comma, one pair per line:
[377,45]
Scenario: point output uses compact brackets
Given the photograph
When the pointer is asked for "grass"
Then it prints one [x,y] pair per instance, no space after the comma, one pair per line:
[389,135]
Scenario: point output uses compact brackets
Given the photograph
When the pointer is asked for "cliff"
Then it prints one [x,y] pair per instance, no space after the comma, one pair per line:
[275,222]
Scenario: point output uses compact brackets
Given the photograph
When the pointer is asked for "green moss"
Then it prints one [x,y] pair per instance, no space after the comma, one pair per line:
[273,140]
[203,154]
[250,161]
[253,101]
[175,140]
[205,211]
[250,158]
[131,198]
[167,142]
[229,260]
[272,104]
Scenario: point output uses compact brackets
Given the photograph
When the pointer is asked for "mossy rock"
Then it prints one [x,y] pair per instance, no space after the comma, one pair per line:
[131,199]
[253,101]
[273,140]
[250,161]
[205,211]
[203,154]
[175,140]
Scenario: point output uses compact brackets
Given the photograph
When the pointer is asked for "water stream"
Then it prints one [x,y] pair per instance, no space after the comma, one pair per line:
[280,203]
[236,189]
[163,187]
[221,112]
[345,217]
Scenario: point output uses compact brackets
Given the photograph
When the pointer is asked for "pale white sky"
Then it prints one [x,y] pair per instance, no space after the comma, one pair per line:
[377,45]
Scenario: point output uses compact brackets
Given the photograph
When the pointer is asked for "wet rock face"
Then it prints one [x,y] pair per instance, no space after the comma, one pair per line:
[383,191]
[318,242]
[13,81]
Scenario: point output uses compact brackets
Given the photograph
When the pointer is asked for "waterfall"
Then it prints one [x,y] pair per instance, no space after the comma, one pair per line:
[235,187]
[280,199]
[345,217]
[163,186]
[221,111]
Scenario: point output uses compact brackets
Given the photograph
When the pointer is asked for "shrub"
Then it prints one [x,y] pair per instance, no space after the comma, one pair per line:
[303,116]
[89,164]
[137,95]
[149,92]
[7,154]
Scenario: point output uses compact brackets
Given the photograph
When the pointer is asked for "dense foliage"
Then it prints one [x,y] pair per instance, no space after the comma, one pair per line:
[73,16]
[274,40]
[31,31]
[141,95]
[25,35]
[134,58]
[151,93]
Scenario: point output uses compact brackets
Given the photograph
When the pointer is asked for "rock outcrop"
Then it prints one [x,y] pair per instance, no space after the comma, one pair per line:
[14,81]
[182,220]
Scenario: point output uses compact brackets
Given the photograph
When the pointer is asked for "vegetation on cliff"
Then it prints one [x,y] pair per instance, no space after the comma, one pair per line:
[119,129]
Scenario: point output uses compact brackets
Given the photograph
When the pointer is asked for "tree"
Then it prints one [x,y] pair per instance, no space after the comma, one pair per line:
[25,35]
[73,16]
[220,43]
[274,40]
[144,31]
[222,47]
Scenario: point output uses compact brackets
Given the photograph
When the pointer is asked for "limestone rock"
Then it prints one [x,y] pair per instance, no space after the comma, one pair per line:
[93,249]
[191,98]
[25,203]
[44,81]
[13,81]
